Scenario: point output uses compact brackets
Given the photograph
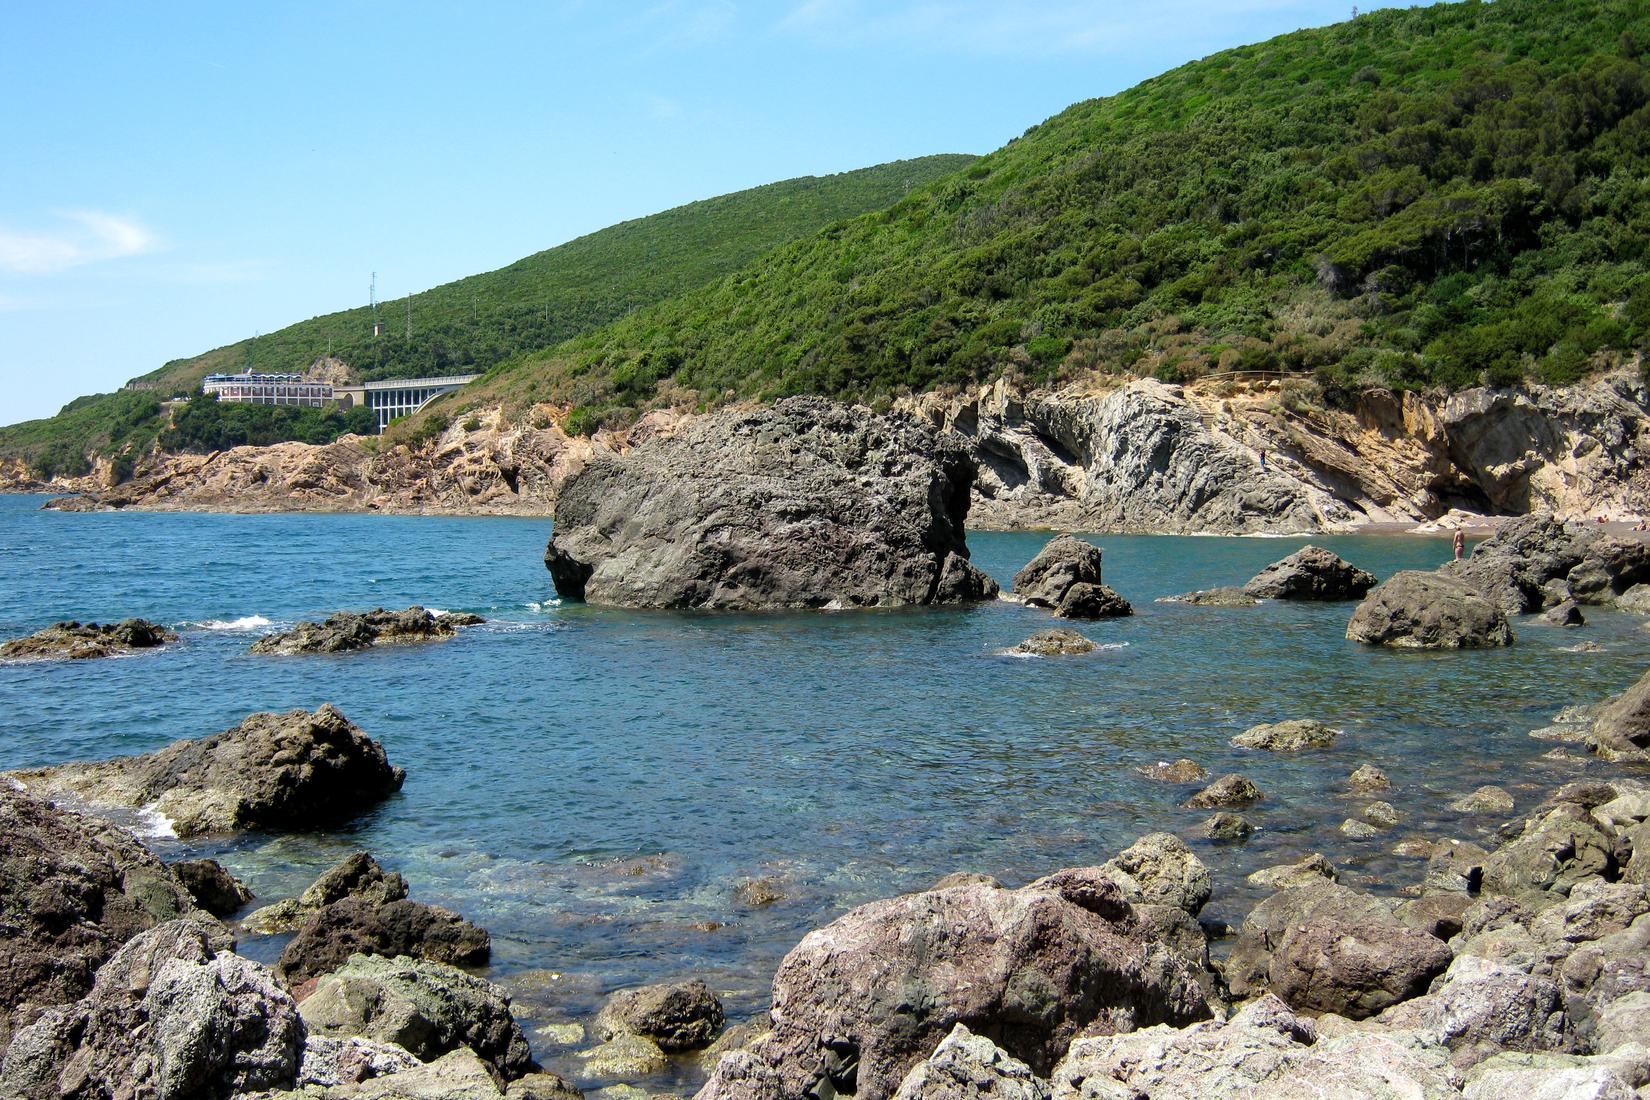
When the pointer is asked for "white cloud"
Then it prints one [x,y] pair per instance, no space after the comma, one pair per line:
[80,237]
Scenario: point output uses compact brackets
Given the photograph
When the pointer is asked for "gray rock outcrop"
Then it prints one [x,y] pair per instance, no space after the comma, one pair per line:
[292,771]
[73,889]
[168,1017]
[1535,562]
[807,503]
[1160,869]
[78,641]
[1310,573]
[1415,610]
[966,1066]
[427,1008]
[352,630]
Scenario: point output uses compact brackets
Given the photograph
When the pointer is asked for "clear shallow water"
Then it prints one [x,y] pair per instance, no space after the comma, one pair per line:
[590,785]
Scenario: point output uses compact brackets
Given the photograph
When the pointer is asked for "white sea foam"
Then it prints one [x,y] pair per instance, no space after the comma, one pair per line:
[541,606]
[245,622]
[152,823]
[437,612]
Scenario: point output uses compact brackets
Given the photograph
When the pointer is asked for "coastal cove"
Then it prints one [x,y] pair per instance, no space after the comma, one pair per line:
[593,786]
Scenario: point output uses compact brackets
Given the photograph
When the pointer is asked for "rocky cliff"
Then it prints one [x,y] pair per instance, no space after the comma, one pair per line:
[1225,456]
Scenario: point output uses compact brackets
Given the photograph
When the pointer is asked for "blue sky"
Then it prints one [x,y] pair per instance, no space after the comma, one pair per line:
[180,175]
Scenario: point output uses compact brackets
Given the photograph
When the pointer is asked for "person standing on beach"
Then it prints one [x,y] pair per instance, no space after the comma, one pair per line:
[1460,542]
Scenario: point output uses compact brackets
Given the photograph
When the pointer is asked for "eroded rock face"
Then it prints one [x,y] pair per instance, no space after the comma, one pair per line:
[426,1007]
[168,1017]
[352,630]
[80,641]
[73,889]
[859,1003]
[1416,610]
[291,771]
[807,503]
[1310,573]
[358,925]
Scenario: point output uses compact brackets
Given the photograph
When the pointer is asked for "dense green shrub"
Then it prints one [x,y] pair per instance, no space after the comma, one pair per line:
[203,424]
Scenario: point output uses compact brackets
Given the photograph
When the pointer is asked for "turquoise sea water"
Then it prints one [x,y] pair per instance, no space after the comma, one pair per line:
[591,785]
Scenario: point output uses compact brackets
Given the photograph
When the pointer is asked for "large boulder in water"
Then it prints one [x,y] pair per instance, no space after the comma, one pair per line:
[169,1017]
[1310,573]
[73,889]
[79,641]
[287,771]
[1622,730]
[859,1003]
[1415,610]
[1065,577]
[805,503]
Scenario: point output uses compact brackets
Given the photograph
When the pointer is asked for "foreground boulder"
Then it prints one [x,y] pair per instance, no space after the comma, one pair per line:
[168,1017]
[805,503]
[1264,1050]
[427,1008]
[73,889]
[1160,869]
[1310,573]
[357,875]
[859,1003]
[358,925]
[79,641]
[1416,610]
[352,630]
[273,771]
[1065,577]
[677,1016]
[1621,732]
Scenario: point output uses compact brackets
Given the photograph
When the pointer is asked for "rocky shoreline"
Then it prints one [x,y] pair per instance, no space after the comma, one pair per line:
[1238,456]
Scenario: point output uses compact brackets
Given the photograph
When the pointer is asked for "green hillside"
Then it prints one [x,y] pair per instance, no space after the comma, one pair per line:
[1417,197]
[475,323]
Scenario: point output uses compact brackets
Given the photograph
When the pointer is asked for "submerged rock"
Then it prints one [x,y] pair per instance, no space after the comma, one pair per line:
[80,641]
[860,1003]
[168,1017]
[357,875]
[1174,771]
[426,1007]
[1310,573]
[1227,826]
[289,771]
[676,1015]
[1293,735]
[1366,778]
[1227,791]
[213,888]
[352,630]
[1428,611]
[73,889]
[805,503]
[1309,871]
[1229,596]
[356,925]
[1484,800]
[1055,642]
